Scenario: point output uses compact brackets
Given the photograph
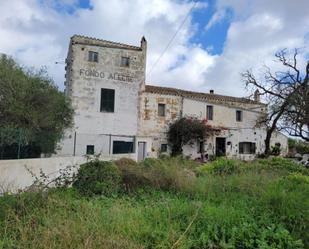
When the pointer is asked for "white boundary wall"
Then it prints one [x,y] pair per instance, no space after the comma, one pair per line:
[14,175]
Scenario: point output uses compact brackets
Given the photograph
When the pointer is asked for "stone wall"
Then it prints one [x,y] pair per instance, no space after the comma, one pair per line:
[86,89]
[151,124]
[84,81]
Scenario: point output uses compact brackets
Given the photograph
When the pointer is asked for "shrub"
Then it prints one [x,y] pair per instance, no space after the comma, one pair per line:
[173,173]
[165,173]
[232,225]
[297,146]
[297,178]
[275,150]
[245,235]
[279,164]
[287,200]
[159,174]
[187,130]
[132,176]
[222,166]
[21,204]
[97,178]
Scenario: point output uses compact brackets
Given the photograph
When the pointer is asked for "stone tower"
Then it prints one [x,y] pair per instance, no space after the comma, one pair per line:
[104,81]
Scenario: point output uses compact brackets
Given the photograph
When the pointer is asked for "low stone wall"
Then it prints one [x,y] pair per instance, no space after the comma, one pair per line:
[14,175]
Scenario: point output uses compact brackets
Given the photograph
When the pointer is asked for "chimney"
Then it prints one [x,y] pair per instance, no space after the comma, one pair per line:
[211,91]
[257,96]
[144,52]
[143,43]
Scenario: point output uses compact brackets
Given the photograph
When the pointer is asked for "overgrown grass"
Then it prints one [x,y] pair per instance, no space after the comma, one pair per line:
[169,203]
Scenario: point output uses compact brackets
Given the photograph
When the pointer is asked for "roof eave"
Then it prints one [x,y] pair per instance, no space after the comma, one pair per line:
[90,41]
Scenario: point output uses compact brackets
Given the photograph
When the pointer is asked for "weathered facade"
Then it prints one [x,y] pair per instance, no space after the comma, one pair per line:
[117,115]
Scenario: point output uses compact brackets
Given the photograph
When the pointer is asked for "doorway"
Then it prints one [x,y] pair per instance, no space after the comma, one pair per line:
[220,146]
[141,152]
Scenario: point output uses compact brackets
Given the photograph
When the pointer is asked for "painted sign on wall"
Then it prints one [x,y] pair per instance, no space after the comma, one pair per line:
[93,73]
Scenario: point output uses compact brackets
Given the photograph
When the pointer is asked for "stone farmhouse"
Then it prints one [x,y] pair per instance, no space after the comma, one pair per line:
[118,115]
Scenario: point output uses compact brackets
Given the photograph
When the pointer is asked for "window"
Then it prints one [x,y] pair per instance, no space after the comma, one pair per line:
[122,147]
[163,147]
[93,56]
[90,150]
[161,110]
[209,112]
[247,148]
[238,116]
[107,100]
[125,61]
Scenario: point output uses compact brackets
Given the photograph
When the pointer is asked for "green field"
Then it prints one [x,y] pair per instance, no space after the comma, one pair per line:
[168,203]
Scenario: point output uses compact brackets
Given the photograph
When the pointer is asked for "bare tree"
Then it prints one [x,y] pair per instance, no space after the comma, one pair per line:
[286,93]
[296,119]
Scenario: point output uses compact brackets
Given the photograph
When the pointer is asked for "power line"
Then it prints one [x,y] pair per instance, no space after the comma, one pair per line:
[173,37]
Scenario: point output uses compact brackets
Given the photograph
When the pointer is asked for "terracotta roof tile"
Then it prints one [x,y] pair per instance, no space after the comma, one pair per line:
[79,39]
[198,95]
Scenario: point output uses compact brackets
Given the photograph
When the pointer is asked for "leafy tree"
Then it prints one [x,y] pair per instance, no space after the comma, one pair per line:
[33,112]
[283,91]
[187,130]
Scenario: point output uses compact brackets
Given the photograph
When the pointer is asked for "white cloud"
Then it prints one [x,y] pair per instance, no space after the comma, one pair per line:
[259,29]
[188,72]
[39,35]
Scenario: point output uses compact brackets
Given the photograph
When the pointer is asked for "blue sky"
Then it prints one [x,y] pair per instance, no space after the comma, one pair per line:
[84,4]
[212,39]
[219,40]
[70,7]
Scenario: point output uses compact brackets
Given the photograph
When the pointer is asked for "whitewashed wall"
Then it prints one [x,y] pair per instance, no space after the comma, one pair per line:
[234,137]
[14,175]
[224,114]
